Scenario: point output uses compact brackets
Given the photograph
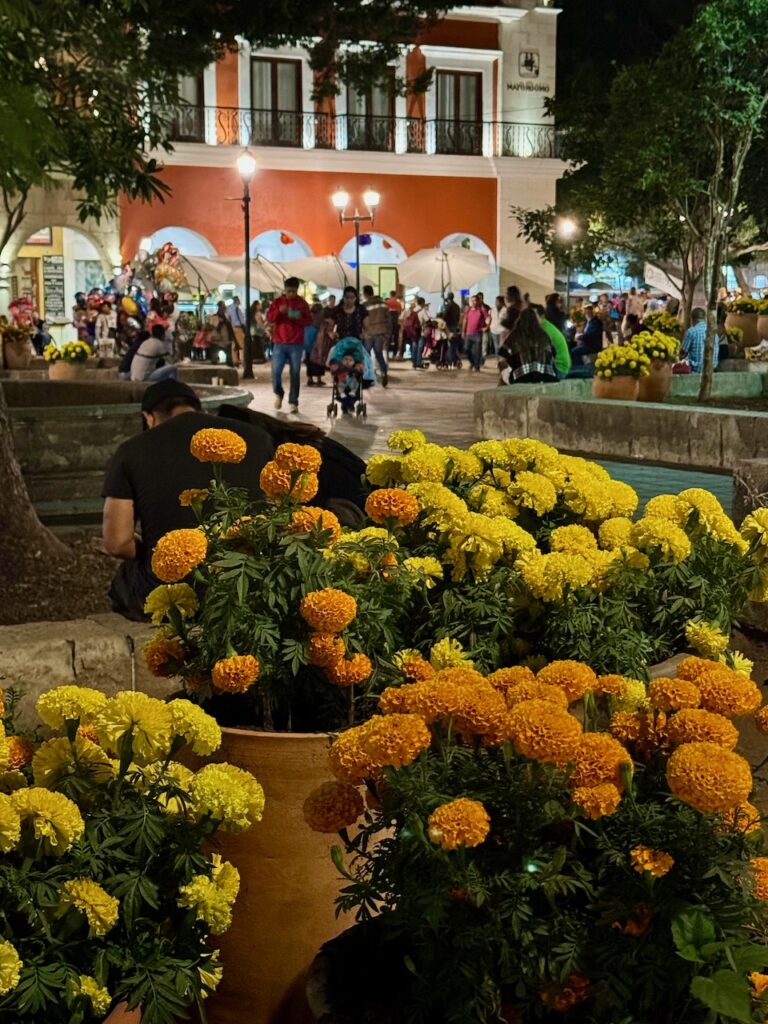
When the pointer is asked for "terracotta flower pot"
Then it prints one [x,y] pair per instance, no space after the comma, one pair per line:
[288,883]
[17,355]
[62,370]
[622,388]
[122,1016]
[762,325]
[655,387]
[747,322]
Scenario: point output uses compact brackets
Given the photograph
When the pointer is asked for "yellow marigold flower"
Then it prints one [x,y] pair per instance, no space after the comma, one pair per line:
[459,823]
[235,674]
[739,662]
[623,498]
[573,539]
[177,553]
[164,656]
[228,795]
[162,600]
[533,491]
[52,818]
[332,807]
[491,501]
[708,777]
[615,533]
[633,695]
[548,576]
[10,781]
[673,694]
[20,751]
[754,530]
[449,653]
[534,690]
[310,518]
[727,693]
[427,570]
[10,824]
[426,463]
[348,760]
[542,731]
[166,777]
[392,506]
[395,740]
[328,611]
[298,458]
[691,668]
[706,640]
[492,453]
[654,862]
[58,759]
[588,498]
[215,444]
[211,975]
[199,729]
[694,724]
[504,678]
[597,801]
[67,703]
[599,758]
[384,470]
[405,440]
[525,452]
[91,899]
[212,898]
[760,871]
[463,466]
[87,986]
[440,505]
[325,649]
[653,532]
[193,496]
[351,671]
[572,676]
[10,967]
[761,720]
[148,720]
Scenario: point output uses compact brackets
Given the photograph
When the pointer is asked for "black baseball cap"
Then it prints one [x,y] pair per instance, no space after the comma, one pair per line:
[164,389]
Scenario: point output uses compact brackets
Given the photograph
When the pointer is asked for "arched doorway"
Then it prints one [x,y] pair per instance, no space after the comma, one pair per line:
[279,246]
[379,257]
[488,285]
[187,241]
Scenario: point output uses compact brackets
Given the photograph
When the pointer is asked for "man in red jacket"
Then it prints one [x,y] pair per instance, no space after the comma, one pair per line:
[289,314]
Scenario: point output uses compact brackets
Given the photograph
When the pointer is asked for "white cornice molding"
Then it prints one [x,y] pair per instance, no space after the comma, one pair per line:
[500,14]
[459,53]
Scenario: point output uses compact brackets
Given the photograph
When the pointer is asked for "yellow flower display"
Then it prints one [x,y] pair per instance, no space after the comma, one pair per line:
[654,533]
[533,491]
[494,454]
[654,862]
[193,497]
[310,518]
[164,656]
[542,731]
[547,577]
[235,674]
[462,466]
[50,818]
[298,458]
[574,677]
[427,462]
[215,444]
[760,873]
[633,695]
[200,730]
[426,570]
[91,899]
[58,759]
[328,611]
[599,758]
[696,724]
[212,898]
[461,823]
[68,703]
[615,533]
[395,740]
[392,506]
[673,694]
[228,795]
[384,470]
[708,777]
[622,361]
[573,539]
[727,693]
[754,530]
[706,640]
[738,662]
[406,440]
[350,671]
[11,965]
[332,806]
[86,985]
[597,802]
[178,553]
[162,601]
[448,653]
[10,824]
[148,721]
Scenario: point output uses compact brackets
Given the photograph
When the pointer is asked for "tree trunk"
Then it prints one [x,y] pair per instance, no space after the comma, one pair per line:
[713,262]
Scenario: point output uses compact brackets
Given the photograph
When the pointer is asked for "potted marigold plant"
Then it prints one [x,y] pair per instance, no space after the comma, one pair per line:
[67,361]
[17,346]
[109,896]
[743,313]
[618,369]
[545,846]
[664,321]
[663,350]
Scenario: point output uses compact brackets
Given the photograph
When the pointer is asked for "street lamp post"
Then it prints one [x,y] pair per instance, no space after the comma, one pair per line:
[340,200]
[567,229]
[246,165]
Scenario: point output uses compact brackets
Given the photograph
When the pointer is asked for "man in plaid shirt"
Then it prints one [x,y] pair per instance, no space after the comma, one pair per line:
[694,339]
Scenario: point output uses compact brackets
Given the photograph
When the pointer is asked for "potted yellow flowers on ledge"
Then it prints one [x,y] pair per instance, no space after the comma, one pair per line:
[618,370]
[67,361]
[108,896]
[663,350]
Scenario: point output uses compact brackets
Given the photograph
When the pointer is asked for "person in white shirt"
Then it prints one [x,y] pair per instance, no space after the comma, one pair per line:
[106,329]
[144,365]
[635,304]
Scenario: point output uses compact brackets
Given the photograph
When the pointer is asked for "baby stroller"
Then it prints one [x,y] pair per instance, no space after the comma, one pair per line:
[352,373]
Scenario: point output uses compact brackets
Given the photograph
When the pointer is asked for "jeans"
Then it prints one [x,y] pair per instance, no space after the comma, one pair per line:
[473,345]
[376,345]
[292,355]
[578,353]
[163,373]
[417,352]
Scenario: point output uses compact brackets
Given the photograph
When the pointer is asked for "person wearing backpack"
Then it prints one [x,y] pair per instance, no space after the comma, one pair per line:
[376,329]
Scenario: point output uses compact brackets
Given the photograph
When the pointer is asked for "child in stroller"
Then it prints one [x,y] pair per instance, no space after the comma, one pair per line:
[352,372]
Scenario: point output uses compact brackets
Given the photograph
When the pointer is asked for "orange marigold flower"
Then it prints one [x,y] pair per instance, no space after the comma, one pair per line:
[215,444]
[88,732]
[276,483]
[236,529]
[503,678]
[348,761]
[235,674]
[691,668]
[655,862]
[759,867]
[192,496]
[672,694]
[744,818]
[761,720]
[482,711]
[597,801]
[575,991]
[542,731]
[759,984]
[395,740]
[638,924]
[727,693]
[177,553]
[572,676]
[610,685]
[310,518]
[708,777]
[459,823]
[349,672]
[164,656]
[534,690]
[460,676]
[599,758]
[432,700]
[329,610]
[298,458]
[20,751]
[325,649]
[645,730]
[390,505]
[394,700]
[332,807]
[414,667]
[692,724]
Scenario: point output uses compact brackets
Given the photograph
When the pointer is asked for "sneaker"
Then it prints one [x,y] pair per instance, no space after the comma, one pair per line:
[384,380]
[293,408]
[278,401]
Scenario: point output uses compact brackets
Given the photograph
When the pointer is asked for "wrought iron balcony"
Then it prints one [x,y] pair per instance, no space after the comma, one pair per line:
[319,130]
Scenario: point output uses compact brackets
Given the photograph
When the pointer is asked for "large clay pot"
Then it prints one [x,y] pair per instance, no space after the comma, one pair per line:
[122,1016]
[762,325]
[655,387]
[747,322]
[62,370]
[17,355]
[288,883]
[621,388]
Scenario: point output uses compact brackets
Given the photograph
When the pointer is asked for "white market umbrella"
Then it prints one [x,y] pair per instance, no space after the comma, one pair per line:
[206,271]
[435,270]
[326,270]
[265,275]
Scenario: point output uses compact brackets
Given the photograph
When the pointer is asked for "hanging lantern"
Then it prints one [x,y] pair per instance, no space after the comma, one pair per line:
[286,239]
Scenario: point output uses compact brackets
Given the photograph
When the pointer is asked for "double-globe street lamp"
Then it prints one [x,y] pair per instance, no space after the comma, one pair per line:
[340,200]
[246,166]
[566,229]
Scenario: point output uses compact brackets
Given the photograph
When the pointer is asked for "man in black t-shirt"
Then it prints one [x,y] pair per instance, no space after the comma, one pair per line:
[148,473]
